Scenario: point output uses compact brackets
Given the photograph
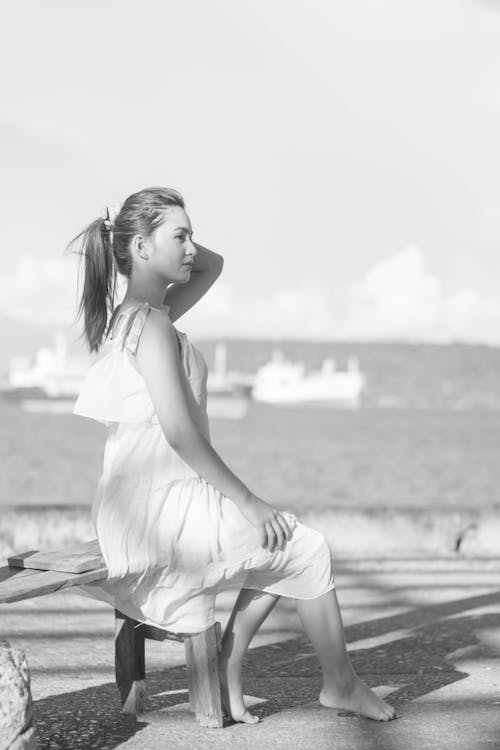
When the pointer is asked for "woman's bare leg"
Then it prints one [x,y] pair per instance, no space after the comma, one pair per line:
[249,612]
[322,622]
[342,688]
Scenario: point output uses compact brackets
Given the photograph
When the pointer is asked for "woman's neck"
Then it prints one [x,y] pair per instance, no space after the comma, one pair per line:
[151,289]
[154,300]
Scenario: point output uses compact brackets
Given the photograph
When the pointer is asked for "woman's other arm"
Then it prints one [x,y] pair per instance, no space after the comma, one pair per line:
[206,269]
[160,365]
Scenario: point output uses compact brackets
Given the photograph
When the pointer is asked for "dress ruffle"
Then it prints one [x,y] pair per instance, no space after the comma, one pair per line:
[113,391]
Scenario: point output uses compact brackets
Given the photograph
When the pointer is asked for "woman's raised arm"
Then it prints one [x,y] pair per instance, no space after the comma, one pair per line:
[206,269]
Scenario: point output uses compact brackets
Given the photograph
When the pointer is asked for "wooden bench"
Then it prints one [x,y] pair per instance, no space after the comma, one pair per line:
[35,573]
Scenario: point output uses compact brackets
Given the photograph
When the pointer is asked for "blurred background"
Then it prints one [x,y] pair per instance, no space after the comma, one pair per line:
[343,158]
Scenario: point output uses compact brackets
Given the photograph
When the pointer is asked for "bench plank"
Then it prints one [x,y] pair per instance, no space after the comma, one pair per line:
[153,633]
[76,559]
[17,584]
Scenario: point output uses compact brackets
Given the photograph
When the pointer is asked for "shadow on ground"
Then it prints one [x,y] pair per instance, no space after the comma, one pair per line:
[285,674]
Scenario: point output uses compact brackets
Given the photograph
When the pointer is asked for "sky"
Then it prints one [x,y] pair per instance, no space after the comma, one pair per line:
[342,156]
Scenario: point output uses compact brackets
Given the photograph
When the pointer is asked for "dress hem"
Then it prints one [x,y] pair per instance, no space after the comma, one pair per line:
[331,587]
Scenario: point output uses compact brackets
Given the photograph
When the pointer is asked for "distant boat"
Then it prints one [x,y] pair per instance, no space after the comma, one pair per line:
[50,384]
[53,381]
[283,382]
[228,392]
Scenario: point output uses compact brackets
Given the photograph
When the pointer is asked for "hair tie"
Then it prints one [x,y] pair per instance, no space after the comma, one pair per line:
[109,214]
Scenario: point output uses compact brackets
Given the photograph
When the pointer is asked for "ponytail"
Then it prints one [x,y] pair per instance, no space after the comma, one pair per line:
[105,249]
[99,280]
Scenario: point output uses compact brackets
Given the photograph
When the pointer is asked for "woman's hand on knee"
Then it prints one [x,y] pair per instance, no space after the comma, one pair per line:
[273,527]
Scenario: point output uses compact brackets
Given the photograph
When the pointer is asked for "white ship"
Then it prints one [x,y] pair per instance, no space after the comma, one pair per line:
[51,383]
[283,382]
[228,392]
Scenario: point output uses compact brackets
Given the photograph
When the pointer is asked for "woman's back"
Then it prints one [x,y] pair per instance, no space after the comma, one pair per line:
[114,390]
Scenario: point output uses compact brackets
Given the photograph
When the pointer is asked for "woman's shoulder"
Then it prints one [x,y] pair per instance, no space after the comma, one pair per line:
[157,319]
[128,322]
[156,313]
[155,325]
[142,309]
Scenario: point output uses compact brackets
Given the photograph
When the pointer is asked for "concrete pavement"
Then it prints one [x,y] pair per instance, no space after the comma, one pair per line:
[426,633]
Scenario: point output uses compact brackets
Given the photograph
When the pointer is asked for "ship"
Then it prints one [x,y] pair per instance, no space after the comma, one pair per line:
[52,382]
[282,382]
[228,391]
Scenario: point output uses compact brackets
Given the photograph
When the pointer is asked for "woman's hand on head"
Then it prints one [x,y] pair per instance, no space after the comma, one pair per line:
[273,527]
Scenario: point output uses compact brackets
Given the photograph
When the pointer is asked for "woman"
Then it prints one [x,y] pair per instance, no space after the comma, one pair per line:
[174,523]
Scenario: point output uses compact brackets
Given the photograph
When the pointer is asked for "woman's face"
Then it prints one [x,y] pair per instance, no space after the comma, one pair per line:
[170,247]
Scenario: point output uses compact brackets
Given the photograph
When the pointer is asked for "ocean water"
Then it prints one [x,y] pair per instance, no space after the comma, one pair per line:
[298,459]
[378,458]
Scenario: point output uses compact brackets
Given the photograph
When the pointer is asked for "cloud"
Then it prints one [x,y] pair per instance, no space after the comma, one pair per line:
[41,291]
[401,298]
[398,298]
[301,312]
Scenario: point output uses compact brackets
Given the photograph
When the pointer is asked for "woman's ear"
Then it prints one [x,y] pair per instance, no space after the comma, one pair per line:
[138,247]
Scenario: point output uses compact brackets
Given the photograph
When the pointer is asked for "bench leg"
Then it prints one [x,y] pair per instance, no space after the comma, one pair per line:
[203,675]
[129,663]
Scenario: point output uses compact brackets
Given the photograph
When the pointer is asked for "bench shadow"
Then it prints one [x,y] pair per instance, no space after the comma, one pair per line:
[284,675]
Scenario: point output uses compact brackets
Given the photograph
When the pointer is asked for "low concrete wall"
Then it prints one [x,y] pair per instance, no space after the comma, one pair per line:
[352,532]
[31,527]
[409,532]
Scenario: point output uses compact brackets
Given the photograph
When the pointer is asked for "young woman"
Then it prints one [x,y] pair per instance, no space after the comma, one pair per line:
[174,523]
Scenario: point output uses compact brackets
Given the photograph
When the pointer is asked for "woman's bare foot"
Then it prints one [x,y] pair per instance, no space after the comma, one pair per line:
[359,698]
[232,695]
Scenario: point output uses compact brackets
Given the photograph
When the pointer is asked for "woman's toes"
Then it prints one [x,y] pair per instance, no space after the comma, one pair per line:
[248,718]
[389,713]
[244,716]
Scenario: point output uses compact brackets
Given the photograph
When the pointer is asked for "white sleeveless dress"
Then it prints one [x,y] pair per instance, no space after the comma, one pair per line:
[170,539]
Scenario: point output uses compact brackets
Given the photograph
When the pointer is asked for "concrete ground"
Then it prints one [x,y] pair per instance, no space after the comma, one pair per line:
[425,633]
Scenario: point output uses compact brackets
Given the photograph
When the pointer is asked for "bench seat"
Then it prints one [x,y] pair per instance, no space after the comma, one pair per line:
[31,574]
